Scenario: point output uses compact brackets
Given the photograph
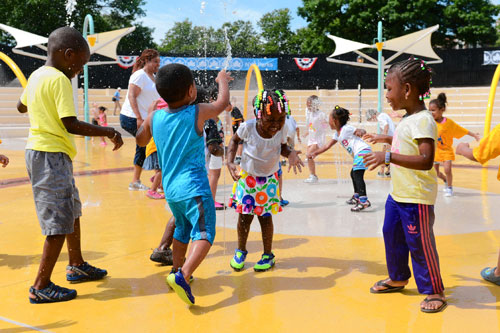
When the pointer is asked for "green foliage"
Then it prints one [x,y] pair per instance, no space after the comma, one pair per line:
[43,16]
[184,38]
[461,21]
[276,32]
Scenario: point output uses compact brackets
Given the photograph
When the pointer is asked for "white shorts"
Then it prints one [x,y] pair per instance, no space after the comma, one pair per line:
[215,162]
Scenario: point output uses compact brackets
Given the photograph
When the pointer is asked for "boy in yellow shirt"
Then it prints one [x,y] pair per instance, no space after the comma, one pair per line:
[488,148]
[48,99]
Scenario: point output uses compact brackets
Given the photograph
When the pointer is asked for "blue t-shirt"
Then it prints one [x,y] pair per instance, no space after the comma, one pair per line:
[181,153]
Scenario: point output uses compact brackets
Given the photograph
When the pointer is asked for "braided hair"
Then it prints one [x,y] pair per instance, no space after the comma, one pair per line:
[341,114]
[416,72]
[440,101]
[146,56]
[270,99]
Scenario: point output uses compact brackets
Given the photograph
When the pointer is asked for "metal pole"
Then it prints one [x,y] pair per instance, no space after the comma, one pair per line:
[380,45]
[88,24]
[359,98]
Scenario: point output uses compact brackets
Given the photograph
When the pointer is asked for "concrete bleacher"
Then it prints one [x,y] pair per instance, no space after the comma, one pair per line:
[467,106]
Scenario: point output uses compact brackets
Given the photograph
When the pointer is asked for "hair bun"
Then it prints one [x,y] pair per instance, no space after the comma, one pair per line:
[442,97]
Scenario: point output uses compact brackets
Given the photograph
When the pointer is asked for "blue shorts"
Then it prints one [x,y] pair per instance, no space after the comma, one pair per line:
[194,219]
[358,162]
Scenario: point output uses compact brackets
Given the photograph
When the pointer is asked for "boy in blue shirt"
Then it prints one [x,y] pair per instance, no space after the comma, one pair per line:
[178,134]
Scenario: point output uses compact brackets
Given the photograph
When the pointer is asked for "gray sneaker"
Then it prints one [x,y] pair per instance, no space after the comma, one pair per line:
[137,186]
[163,257]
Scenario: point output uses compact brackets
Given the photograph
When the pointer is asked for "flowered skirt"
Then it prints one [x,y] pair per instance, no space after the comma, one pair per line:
[256,195]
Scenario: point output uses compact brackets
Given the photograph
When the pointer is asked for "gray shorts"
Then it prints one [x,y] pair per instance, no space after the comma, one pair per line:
[57,200]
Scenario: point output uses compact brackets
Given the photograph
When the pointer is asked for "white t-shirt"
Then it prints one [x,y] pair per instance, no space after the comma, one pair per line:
[352,143]
[146,97]
[383,120]
[317,124]
[291,125]
[260,157]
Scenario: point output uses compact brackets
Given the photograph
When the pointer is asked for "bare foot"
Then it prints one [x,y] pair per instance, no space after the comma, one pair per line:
[377,287]
[438,301]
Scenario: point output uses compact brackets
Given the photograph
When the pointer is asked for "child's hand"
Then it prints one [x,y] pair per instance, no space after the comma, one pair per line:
[359,132]
[295,161]
[462,148]
[233,170]
[371,137]
[117,140]
[153,106]
[224,76]
[373,160]
[312,155]
[476,136]
[4,160]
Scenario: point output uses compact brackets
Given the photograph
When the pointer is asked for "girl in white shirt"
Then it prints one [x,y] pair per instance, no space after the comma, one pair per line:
[255,191]
[349,138]
[316,130]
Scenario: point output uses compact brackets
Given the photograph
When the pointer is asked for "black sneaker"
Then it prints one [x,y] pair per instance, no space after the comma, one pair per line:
[51,294]
[163,257]
[84,272]
[352,201]
[360,206]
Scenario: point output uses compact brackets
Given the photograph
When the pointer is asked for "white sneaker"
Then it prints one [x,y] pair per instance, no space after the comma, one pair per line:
[311,179]
[137,186]
[448,192]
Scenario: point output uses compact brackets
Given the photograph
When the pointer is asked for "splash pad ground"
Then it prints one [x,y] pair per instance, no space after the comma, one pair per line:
[327,258]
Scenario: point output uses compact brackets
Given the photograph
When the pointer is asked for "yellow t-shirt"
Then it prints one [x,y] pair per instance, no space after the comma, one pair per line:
[488,148]
[447,130]
[49,97]
[151,147]
[409,185]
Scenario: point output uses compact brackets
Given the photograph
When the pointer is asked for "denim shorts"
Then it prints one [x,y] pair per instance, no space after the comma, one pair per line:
[194,219]
[57,200]
[129,124]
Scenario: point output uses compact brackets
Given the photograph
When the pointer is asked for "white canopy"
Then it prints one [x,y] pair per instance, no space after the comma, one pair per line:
[416,43]
[106,42]
[343,45]
[24,38]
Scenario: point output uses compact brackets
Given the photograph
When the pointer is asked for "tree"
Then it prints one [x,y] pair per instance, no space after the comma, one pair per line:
[107,15]
[357,20]
[276,32]
[184,38]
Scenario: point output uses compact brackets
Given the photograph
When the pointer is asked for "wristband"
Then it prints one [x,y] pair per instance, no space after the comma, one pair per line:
[114,136]
[387,158]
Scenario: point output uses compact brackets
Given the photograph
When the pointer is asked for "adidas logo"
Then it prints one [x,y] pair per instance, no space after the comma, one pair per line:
[412,229]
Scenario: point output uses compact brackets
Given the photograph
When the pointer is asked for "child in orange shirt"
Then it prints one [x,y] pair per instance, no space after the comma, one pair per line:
[447,130]
[488,148]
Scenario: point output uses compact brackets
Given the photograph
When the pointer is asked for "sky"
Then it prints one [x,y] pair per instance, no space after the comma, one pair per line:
[161,14]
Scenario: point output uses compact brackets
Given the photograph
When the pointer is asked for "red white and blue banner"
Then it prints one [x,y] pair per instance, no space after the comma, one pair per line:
[126,61]
[305,64]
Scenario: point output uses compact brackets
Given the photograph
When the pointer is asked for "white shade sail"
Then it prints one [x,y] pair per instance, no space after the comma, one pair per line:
[24,38]
[416,43]
[343,45]
[106,42]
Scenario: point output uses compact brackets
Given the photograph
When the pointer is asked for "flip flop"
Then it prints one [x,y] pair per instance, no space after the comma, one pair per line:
[489,275]
[388,288]
[441,308]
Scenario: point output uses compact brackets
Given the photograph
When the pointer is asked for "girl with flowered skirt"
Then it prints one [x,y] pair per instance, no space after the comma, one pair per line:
[256,187]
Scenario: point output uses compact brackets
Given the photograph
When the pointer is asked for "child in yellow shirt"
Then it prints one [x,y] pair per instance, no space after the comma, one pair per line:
[447,131]
[488,148]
